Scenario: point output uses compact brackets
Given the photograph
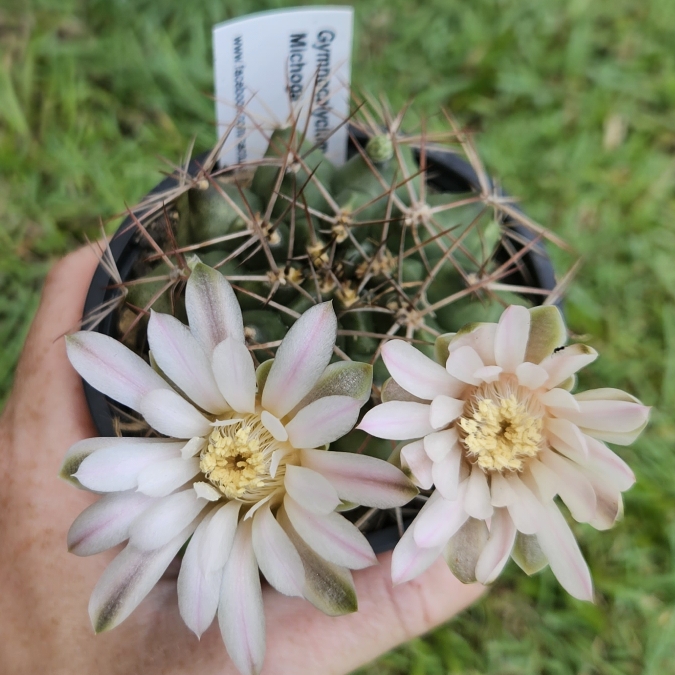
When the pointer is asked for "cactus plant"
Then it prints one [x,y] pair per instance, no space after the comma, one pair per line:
[379,236]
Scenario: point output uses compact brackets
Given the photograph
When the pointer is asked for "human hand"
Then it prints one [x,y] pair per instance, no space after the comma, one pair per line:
[44,625]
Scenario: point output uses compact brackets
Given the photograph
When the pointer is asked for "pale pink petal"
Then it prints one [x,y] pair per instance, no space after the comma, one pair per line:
[561,548]
[182,359]
[310,489]
[498,548]
[437,445]
[511,337]
[531,376]
[332,536]
[481,338]
[323,421]
[274,426]
[106,523]
[477,500]
[162,521]
[117,467]
[171,415]
[111,368]
[212,308]
[219,536]
[409,560]
[526,510]
[206,491]
[361,479]
[235,374]
[488,373]
[446,473]
[609,503]
[397,420]
[301,359]
[573,487]
[439,519]
[463,363]
[414,457]
[240,611]
[555,399]
[198,590]
[277,557]
[565,437]
[162,478]
[416,372]
[464,548]
[608,465]
[546,481]
[564,364]
[501,493]
[444,410]
[129,578]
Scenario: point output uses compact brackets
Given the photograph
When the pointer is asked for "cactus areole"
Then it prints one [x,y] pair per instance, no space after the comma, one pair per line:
[406,239]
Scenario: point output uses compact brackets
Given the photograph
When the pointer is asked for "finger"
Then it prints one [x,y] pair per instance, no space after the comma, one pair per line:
[303,641]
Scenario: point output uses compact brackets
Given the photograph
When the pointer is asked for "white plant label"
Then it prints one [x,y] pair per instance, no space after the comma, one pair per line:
[273,67]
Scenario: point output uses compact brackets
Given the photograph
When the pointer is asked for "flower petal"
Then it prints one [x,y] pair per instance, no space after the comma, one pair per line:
[527,554]
[235,374]
[444,410]
[161,479]
[501,493]
[464,549]
[182,359]
[562,365]
[478,336]
[562,551]
[531,376]
[608,465]
[437,445]
[415,458]
[397,420]
[111,368]
[323,421]
[446,473]
[546,481]
[498,548]
[439,519]
[78,452]
[274,426]
[106,523]
[488,373]
[332,536]
[392,391]
[329,587]
[463,363]
[171,415]
[276,555]
[160,523]
[526,510]
[416,372]
[566,438]
[361,479]
[219,536]
[558,398]
[129,578]
[573,487]
[409,560]
[301,359]
[547,332]
[198,591]
[212,308]
[511,337]
[344,378]
[477,500]
[117,467]
[240,611]
[310,489]
[609,503]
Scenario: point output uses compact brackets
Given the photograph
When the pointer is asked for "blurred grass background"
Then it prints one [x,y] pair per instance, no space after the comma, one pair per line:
[575,104]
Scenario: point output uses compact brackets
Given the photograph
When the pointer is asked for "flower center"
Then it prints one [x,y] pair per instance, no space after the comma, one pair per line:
[501,427]
[238,459]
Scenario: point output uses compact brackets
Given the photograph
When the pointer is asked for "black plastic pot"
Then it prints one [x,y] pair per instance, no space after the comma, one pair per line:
[447,173]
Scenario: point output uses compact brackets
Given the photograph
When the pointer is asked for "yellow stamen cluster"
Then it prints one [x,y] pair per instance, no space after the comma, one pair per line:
[501,432]
[237,460]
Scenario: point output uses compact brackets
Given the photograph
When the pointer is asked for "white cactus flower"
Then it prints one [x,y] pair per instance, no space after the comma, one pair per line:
[243,469]
[499,435]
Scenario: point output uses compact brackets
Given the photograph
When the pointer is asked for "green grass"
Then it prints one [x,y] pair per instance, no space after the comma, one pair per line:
[574,100]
